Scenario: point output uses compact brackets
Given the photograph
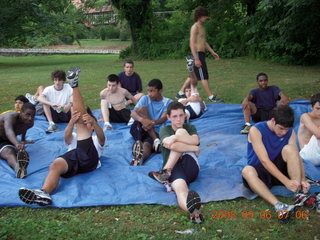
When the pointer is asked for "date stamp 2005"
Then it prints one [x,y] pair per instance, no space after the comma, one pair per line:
[266,214]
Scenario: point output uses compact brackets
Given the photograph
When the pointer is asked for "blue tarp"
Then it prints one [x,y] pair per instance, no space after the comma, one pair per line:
[223,155]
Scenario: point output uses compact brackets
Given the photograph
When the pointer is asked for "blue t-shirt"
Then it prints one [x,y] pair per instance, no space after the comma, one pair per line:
[155,108]
[132,84]
[271,141]
[265,99]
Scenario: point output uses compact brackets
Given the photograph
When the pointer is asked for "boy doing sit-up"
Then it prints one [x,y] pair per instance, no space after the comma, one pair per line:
[84,149]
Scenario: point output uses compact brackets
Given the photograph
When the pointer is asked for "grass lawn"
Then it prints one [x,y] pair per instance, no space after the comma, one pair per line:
[231,79]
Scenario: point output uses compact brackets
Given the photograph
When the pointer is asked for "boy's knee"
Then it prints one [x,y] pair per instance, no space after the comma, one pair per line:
[248,171]
[181,131]
[289,150]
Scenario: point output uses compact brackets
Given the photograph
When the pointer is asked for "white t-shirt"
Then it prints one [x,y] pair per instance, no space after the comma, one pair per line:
[61,97]
[96,143]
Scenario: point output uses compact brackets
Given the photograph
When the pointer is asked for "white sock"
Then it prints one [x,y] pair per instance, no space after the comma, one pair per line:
[181,93]
[211,97]
[248,124]
[51,123]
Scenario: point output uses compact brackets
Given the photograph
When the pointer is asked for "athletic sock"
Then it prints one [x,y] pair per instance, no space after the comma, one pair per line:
[181,93]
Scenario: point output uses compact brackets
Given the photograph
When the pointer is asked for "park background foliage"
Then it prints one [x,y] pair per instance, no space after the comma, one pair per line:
[284,31]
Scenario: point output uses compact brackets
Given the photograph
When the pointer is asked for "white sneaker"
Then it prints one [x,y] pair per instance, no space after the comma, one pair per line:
[107,126]
[157,145]
[31,98]
[52,128]
[37,196]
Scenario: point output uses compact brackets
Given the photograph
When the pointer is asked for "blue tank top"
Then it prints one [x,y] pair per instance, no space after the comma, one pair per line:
[271,141]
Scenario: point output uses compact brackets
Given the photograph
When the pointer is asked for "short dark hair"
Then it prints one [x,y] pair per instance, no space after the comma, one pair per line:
[283,115]
[314,99]
[90,113]
[60,74]
[113,78]
[175,106]
[129,61]
[27,106]
[261,74]
[200,12]
[155,83]
[22,99]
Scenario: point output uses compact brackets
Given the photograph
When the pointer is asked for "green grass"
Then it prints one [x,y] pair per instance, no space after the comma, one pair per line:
[231,79]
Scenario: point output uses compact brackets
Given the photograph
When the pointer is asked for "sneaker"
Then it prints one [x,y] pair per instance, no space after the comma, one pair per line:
[52,128]
[318,203]
[162,176]
[193,206]
[22,164]
[302,199]
[73,77]
[107,126]
[37,196]
[245,129]
[214,99]
[178,96]
[137,152]
[284,211]
[190,63]
[157,145]
[31,98]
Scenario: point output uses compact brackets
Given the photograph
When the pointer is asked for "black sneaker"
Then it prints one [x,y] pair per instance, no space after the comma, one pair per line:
[73,76]
[37,196]
[178,96]
[22,164]
[137,152]
[162,176]
[193,206]
[215,100]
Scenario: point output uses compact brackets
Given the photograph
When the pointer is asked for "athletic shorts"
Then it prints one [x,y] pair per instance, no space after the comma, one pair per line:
[122,116]
[186,168]
[61,117]
[5,143]
[83,159]
[262,115]
[266,177]
[138,133]
[201,72]
[193,115]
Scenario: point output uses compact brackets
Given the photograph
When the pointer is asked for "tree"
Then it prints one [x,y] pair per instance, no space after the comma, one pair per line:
[138,14]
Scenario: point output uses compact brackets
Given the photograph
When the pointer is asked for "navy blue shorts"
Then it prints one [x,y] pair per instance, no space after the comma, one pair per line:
[61,117]
[202,72]
[262,115]
[83,159]
[138,133]
[186,168]
[193,115]
[268,179]
[121,116]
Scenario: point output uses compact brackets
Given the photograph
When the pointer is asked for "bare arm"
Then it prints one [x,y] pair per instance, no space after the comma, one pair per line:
[90,121]
[182,147]
[132,98]
[284,99]
[44,100]
[309,124]
[214,54]
[68,131]
[8,123]
[193,47]
[256,139]
[105,110]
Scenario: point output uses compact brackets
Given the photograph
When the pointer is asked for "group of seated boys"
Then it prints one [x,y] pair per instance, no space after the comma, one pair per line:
[273,156]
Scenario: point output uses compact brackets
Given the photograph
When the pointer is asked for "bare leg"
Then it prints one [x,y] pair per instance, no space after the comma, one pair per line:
[181,189]
[147,149]
[10,155]
[249,111]
[206,87]
[47,112]
[38,92]
[57,168]
[251,176]
[186,83]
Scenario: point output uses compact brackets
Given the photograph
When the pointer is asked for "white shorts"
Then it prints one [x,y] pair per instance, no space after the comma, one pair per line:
[311,151]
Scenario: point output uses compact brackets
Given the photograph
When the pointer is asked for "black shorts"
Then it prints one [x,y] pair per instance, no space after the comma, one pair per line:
[202,72]
[193,115]
[262,115]
[138,133]
[122,116]
[186,168]
[5,143]
[83,159]
[61,117]
[268,179]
